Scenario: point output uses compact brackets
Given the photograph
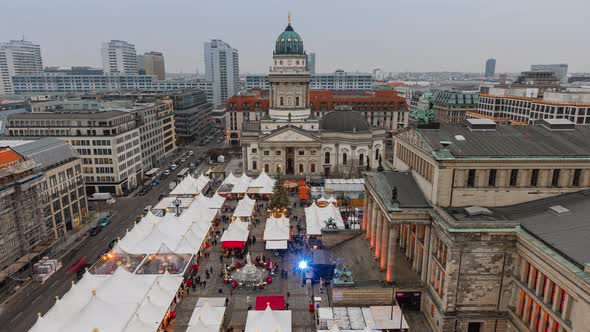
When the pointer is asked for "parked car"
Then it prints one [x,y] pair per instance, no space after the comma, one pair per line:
[95,230]
[182,160]
[166,173]
[104,222]
[147,209]
[190,153]
[173,167]
[81,270]
[112,243]
[192,166]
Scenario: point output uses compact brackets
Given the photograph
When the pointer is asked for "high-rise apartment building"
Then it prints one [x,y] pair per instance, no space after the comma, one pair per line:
[152,63]
[119,57]
[560,70]
[222,69]
[311,63]
[339,80]
[18,57]
[490,68]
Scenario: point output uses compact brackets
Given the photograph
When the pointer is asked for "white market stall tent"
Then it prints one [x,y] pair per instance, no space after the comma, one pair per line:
[119,302]
[235,236]
[207,317]
[262,185]
[276,233]
[316,218]
[190,186]
[268,320]
[168,203]
[245,207]
[331,199]
[214,202]
[241,187]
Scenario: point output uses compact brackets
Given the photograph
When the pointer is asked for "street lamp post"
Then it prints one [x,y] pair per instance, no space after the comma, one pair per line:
[177,203]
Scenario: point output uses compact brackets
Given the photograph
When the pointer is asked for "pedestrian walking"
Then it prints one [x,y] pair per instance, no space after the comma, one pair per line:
[204,283]
[226,301]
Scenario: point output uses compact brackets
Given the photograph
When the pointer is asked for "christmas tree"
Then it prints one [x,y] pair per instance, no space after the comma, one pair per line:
[280,196]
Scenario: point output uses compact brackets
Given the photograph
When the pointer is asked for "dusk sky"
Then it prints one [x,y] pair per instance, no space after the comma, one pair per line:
[394,35]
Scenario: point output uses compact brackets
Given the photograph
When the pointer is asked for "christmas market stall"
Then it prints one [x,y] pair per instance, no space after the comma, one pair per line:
[268,320]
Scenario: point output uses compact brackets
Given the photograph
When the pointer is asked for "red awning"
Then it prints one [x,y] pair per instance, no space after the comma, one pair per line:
[232,244]
[276,302]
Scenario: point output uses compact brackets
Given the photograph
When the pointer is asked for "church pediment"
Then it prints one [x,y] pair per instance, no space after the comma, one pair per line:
[289,135]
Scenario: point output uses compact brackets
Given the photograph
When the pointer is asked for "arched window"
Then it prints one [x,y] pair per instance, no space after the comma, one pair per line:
[361,159]
[278,169]
[312,168]
[300,168]
[281,101]
[327,158]
[376,154]
[344,158]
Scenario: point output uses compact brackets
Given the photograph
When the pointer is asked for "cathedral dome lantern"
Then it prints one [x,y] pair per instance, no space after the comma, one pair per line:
[289,42]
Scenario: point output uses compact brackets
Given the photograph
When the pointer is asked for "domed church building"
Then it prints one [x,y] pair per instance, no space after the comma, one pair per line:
[291,141]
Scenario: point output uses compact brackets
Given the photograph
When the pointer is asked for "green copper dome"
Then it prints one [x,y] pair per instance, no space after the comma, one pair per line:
[289,42]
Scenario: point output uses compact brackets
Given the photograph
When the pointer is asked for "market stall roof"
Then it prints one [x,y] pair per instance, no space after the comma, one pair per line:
[330,199]
[190,186]
[165,261]
[268,320]
[276,229]
[131,302]
[263,184]
[242,184]
[276,302]
[315,218]
[245,207]
[276,245]
[168,203]
[214,202]
[207,315]
[212,301]
[235,235]
[345,185]
[111,261]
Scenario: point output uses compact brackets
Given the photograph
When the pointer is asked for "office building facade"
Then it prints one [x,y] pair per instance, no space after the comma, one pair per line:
[40,84]
[222,69]
[560,70]
[152,63]
[336,81]
[108,142]
[192,116]
[119,57]
[311,62]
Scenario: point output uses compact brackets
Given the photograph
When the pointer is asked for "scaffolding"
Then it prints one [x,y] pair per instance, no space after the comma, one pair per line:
[26,231]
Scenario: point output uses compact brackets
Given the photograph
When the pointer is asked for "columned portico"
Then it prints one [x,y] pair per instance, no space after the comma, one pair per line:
[384,246]
[374,220]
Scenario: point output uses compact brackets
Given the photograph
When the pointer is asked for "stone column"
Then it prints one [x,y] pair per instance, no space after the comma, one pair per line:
[378,233]
[384,245]
[374,220]
[365,209]
[415,258]
[369,215]
[391,247]
[425,254]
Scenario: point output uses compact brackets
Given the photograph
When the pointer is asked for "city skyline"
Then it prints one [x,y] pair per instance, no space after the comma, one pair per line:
[462,34]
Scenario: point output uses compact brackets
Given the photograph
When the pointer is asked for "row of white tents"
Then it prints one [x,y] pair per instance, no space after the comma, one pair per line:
[136,294]
[190,186]
[263,184]
[121,301]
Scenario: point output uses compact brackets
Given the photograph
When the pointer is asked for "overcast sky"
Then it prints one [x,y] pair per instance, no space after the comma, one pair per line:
[394,35]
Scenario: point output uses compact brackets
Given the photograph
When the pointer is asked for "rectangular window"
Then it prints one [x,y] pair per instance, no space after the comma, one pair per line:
[555,178]
[576,178]
[254,166]
[278,152]
[301,152]
[471,178]
[513,177]
[267,153]
[492,178]
[534,177]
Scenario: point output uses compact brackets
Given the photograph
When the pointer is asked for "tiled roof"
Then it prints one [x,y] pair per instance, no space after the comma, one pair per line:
[8,157]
